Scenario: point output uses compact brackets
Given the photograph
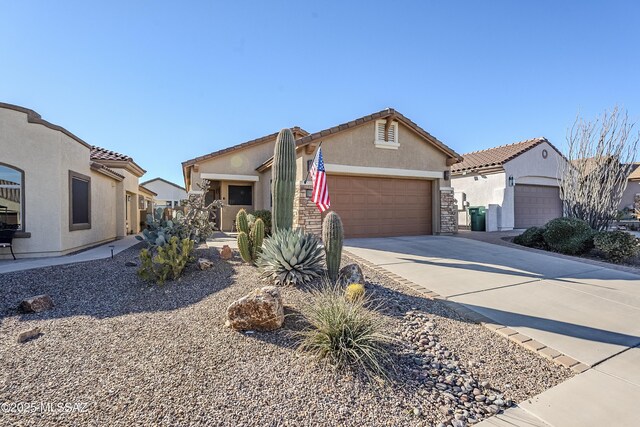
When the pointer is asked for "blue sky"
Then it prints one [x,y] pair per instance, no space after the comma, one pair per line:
[167,81]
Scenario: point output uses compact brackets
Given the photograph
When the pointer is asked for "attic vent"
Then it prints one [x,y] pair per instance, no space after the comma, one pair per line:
[388,140]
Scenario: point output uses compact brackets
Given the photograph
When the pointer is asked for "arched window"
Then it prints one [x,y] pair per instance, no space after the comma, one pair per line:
[11,198]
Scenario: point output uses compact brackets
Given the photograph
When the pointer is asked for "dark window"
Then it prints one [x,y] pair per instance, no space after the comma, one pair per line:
[240,195]
[11,198]
[79,201]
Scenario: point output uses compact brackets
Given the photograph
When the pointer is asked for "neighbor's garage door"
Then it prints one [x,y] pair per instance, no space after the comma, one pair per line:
[535,205]
[381,207]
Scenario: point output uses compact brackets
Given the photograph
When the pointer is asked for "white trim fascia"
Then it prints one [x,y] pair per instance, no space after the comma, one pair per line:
[391,172]
[229,177]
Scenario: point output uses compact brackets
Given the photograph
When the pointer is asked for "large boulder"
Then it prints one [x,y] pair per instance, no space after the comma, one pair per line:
[351,273]
[260,310]
[36,304]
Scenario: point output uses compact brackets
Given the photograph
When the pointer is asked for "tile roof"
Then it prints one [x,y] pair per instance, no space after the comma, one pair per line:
[98,153]
[105,170]
[165,181]
[496,156]
[635,172]
[297,132]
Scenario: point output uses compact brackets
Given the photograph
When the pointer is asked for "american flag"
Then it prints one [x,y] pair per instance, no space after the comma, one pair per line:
[320,194]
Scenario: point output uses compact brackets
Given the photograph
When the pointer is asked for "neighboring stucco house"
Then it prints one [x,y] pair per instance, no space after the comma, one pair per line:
[517,183]
[386,177]
[631,196]
[59,193]
[168,194]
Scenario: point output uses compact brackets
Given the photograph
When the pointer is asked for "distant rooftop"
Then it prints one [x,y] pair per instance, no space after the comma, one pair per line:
[496,156]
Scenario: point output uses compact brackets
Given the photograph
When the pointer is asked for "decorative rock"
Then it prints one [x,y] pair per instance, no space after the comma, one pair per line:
[226,252]
[204,264]
[131,264]
[351,273]
[36,304]
[260,310]
[28,335]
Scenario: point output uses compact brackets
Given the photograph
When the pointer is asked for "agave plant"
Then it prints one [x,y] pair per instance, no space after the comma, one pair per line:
[291,257]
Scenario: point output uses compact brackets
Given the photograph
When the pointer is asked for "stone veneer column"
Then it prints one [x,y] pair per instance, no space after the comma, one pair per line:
[305,213]
[448,212]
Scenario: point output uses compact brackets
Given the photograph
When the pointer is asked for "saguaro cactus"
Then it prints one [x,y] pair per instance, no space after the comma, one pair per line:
[332,237]
[283,180]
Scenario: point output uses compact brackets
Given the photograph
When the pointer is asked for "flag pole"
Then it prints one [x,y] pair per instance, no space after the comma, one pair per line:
[314,159]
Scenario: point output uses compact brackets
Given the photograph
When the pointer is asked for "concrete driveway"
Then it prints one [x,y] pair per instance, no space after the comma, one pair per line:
[587,312]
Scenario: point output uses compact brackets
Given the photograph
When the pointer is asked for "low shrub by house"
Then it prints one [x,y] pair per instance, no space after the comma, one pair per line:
[617,246]
[345,333]
[532,237]
[568,236]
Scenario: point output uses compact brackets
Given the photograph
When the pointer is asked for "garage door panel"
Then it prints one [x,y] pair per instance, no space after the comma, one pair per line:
[535,205]
[382,207]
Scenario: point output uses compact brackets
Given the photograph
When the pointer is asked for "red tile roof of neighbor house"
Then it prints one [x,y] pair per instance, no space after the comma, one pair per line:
[497,156]
[99,153]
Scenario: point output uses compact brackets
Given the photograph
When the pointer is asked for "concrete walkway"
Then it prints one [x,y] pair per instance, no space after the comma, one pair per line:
[99,252]
[587,312]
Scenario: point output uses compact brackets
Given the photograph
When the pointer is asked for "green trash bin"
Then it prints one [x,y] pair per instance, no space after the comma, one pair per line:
[478,215]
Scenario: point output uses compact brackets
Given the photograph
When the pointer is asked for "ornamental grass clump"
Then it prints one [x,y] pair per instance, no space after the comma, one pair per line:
[345,334]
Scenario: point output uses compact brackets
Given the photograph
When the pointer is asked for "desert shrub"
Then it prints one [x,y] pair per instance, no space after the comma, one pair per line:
[165,262]
[532,237]
[354,292]
[345,333]
[290,257]
[265,216]
[568,236]
[250,236]
[160,229]
[617,246]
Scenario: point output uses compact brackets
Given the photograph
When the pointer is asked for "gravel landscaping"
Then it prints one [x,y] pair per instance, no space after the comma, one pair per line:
[138,354]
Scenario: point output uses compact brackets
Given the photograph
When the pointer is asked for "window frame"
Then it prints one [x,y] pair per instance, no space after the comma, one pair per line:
[79,226]
[386,143]
[238,185]
[23,215]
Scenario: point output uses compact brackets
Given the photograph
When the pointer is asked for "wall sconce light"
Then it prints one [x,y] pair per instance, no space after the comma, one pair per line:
[510,181]
[447,175]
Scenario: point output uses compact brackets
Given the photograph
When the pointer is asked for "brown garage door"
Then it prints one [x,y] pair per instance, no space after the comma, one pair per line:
[381,207]
[535,205]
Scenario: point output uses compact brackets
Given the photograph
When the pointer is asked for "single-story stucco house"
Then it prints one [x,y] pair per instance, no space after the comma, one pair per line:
[516,183]
[59,193]
[168,194]
[386,176]
[631,196]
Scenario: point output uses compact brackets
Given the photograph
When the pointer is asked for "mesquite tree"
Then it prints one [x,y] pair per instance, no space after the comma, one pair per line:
[599,157]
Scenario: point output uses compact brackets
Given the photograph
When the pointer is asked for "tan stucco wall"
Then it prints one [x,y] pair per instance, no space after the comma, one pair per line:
[633,188]
[356,148]
[46,156]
